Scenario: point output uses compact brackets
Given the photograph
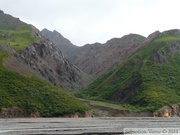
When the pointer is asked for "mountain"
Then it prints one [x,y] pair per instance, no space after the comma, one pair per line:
[149,78]
[41,54]
[49,62]
[27,62]
[62,43]
[96,59]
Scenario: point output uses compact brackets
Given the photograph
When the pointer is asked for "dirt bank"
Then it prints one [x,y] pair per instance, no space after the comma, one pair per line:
[103,110]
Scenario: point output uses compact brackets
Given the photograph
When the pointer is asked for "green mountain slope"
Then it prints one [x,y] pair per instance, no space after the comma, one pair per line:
[22,92]
[15,32]
[150,78]
[32,94]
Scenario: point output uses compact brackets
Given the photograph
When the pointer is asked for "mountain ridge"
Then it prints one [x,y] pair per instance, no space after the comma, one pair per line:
[96,59]
[61,42]
[147,79]
[27,62]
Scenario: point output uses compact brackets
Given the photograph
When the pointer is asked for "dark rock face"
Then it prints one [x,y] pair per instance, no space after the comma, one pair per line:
[96,59]
[174,47]
[1,11]
[161,56]
[48,61]
[61,42]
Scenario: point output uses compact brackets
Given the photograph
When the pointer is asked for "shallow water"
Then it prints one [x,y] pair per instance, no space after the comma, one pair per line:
[81,126]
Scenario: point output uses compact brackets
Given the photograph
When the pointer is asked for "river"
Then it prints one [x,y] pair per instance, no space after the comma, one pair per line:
[82,126]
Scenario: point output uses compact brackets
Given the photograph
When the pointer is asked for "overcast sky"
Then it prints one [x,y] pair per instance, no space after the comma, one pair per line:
[89,21]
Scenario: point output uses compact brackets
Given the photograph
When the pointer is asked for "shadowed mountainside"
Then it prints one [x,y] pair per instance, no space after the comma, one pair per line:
[62,43]
[148,79]
[96,59]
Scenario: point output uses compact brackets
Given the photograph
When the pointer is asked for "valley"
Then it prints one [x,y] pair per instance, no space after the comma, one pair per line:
[44,75]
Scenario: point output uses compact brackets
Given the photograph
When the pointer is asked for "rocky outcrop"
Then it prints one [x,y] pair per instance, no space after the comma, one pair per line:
[161,55]
[1,11]
[168,111]
[150,38]
[7,47]
[61,42]
[48,61]
[87,114]
[96,59]
[13,112]
[45,60]
[174,48]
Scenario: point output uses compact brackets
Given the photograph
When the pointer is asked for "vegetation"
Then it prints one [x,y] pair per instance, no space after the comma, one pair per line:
[138,39]
[15,32]
[26,91]
[146,83]
[112,105]
[17,38]
[32,94]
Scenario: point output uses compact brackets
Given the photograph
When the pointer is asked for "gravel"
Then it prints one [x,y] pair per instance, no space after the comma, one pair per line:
[81,126]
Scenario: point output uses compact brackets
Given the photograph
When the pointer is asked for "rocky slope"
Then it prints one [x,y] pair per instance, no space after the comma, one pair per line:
[27,61]
[24,94]
[97,59]
[42,55]
[48,61]
[62,43]
[148,79]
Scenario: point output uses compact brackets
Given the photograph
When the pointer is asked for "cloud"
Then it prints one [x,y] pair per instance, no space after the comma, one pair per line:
[88,21]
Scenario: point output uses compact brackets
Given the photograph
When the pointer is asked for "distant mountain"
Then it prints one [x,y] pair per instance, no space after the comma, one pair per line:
[97,59]
[62,43]
[149,78]
[27,61]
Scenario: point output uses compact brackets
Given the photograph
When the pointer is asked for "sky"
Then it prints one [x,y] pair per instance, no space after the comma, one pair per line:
[90,21]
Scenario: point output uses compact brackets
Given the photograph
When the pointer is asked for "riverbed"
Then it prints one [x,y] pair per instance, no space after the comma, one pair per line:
[82,126]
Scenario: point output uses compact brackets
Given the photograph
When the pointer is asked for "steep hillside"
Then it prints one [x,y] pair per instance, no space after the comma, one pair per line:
[27,60]
[149,78]
[15,32]
[96,59]
[41,54]
[62,43]
[48,61]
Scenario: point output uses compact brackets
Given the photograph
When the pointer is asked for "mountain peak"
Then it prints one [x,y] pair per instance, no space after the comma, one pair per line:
[45,30]
[54,31]
[1,11]
[173,31]
[61,42]
[148,78]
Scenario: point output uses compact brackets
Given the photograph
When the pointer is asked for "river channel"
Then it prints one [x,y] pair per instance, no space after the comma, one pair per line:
[82,126]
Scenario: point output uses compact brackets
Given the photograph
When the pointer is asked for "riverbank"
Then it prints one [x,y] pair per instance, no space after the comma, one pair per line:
[82,126]
[103,109]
